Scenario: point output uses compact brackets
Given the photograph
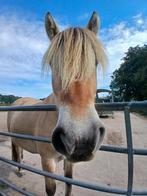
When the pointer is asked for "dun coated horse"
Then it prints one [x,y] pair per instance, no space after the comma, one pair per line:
[75,129]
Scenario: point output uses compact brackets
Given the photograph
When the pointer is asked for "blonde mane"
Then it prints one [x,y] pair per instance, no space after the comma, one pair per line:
[73,55]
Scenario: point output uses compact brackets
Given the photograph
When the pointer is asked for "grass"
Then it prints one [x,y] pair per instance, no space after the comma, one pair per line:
[4,104]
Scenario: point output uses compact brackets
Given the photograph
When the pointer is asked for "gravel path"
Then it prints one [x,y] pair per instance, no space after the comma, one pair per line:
[109,169]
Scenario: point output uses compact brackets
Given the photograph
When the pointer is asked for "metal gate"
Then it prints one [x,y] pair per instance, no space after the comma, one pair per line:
[126,107]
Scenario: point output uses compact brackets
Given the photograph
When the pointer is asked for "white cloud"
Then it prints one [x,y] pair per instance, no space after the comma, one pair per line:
[138,19]
[22,46]
[83,16]
[23,43]
[117,41]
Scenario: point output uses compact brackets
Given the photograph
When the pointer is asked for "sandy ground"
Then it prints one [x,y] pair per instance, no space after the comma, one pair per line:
[109,169]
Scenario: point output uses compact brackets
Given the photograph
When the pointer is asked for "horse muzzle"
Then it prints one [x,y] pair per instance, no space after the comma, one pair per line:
[77,148]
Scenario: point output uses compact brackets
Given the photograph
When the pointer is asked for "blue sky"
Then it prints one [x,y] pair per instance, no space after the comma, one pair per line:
[23,40]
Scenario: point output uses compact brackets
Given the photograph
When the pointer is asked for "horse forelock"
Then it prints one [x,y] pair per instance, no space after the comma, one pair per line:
[72,55]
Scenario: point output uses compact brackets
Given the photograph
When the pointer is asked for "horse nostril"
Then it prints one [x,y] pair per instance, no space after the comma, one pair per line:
[102,131]
[56,140]
[62,142]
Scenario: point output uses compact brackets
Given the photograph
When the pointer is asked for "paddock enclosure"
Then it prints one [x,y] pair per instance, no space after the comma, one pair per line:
[130,162]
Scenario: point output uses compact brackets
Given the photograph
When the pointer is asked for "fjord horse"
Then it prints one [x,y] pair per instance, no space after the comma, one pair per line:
[75,129]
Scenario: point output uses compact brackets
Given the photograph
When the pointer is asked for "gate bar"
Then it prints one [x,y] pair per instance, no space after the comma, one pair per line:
[127,107]
[65,179]
[71,181]
[25,136]
[16,188]
[116,106]
[136,151]
[130,149]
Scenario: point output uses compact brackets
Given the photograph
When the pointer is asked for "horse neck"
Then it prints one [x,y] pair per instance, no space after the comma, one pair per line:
[51,99]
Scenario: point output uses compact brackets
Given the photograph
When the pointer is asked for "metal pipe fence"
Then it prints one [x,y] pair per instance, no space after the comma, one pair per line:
[127,107]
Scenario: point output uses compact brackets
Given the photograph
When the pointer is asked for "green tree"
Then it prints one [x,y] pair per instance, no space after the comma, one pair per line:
[129,82]
[8,99]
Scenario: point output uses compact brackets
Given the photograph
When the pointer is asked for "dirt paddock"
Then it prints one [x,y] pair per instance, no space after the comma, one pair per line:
[108,169]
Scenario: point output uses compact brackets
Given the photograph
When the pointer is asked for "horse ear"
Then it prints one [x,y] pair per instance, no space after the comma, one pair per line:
[50,26]
[94,23]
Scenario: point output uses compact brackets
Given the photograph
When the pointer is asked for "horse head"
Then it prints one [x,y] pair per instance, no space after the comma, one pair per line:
[73,56]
